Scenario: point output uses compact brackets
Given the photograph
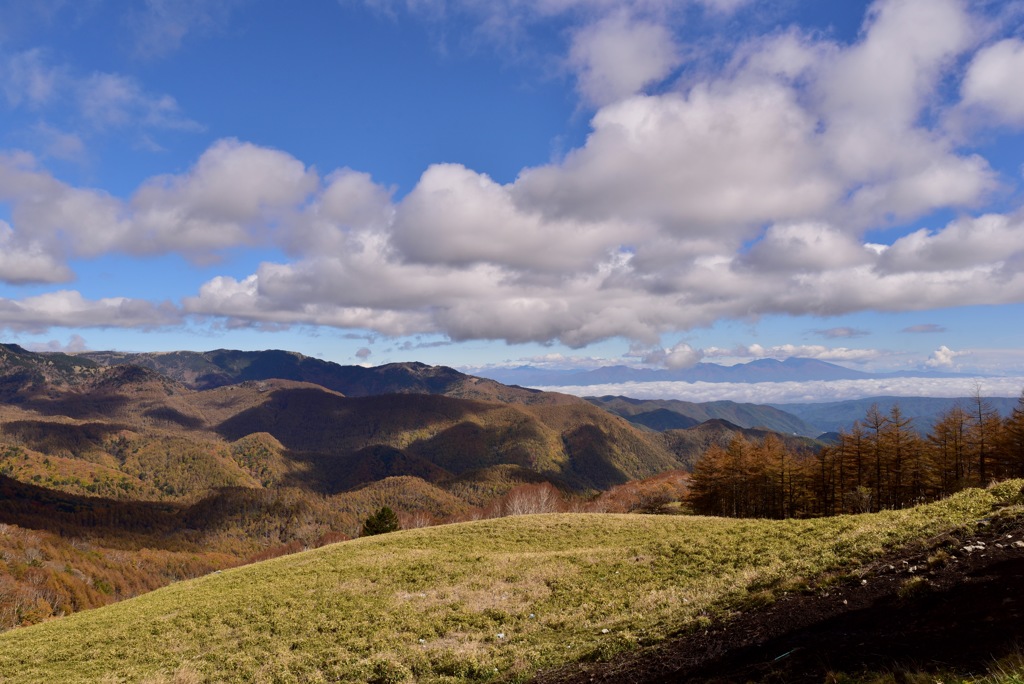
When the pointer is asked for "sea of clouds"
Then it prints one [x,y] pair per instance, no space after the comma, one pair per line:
[804,391]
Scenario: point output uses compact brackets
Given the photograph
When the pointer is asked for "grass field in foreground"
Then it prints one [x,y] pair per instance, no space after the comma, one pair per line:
[481,601]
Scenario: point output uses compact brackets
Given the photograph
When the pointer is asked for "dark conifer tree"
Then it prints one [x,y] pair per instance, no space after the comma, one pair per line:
[384,520]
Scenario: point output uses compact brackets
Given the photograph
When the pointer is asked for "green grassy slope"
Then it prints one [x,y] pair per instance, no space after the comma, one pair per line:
[487,601]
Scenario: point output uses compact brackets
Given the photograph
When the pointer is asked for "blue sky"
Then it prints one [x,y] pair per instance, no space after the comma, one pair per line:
[553,182]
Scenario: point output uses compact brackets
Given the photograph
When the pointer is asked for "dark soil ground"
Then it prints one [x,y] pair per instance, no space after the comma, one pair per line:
[952,605]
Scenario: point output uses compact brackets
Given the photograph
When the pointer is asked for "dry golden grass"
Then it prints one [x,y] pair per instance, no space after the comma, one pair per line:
[486,601]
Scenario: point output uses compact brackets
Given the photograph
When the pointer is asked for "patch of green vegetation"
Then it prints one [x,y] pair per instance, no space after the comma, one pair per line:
[492,600]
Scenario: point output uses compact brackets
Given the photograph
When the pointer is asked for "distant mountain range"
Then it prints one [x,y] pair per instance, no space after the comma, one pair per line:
[671,414]
[174,464]
[925,411]
[333,427]
[762,370]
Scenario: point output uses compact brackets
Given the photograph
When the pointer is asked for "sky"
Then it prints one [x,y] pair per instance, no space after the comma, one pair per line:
[480,183]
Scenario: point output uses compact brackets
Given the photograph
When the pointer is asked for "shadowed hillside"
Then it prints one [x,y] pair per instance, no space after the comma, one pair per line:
[690,444]
[434,423]
[438,437]
[207,370]
[136,460]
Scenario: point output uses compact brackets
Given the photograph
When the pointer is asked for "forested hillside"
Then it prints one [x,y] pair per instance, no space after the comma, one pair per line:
[883,462]
[118,478]
[130,458]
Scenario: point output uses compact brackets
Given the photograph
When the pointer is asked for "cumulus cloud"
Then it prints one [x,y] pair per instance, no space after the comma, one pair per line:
[813,247]
[232,196]
[618,56]
[964,243]
[27,262]
[744,192]
[75,343]
[349,201]
[678,357]
[871,98]
[943,357]
[992,82]
[892,71]
[69,309]
[457,217]
[233,193]
[716,161]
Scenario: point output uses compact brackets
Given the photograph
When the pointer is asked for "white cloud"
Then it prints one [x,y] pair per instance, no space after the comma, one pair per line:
[22,263]
[872,97]
[69,309]
[943,357]
[59,218]
[457,217]
[232,195]
[677,357]
[682,356]
[744,193]
[988,239]
[75,343]
[716,161]
[891,73]
[807,247]
[115,101]
[993,81]
[618,56]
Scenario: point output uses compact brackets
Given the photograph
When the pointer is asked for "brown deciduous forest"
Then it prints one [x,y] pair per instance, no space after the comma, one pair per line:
[882,462]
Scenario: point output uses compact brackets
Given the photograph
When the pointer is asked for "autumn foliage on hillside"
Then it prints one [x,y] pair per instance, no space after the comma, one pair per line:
[43,575]
[882,462]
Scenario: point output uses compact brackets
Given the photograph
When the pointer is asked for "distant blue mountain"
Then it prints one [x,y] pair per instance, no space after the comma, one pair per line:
[834,416]
[671,414]
[793,369]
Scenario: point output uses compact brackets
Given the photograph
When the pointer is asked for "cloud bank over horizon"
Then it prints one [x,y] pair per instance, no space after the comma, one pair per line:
[809,392]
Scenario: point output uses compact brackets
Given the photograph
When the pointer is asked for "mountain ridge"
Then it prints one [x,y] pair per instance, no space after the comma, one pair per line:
[833,416]
[792,369]
[342,426]
[665,414]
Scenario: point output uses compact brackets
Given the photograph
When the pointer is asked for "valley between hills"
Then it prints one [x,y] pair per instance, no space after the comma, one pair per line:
[214,487]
